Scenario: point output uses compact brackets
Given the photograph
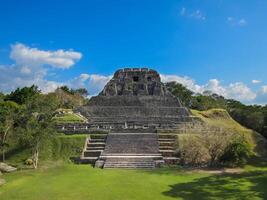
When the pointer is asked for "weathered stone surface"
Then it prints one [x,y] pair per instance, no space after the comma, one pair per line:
[136,82]
[6,168]
[131,143]
[134,99]
[133,107]
[99,163]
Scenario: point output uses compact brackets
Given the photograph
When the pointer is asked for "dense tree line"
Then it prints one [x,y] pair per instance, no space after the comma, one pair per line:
[26,116]
[251,116]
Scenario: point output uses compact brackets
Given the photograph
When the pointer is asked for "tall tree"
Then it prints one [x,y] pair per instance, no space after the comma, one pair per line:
[23,95]
[36,124]
[181,92]
[8,111]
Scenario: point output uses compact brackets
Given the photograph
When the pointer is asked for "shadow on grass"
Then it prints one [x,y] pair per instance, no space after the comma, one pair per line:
[246,185]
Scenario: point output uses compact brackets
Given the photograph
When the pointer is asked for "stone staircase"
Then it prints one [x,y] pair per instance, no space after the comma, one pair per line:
[167,144]
[93,147]
[131,150]
[129,162]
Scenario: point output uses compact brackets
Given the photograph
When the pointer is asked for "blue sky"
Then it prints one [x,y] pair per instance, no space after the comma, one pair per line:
[217,45]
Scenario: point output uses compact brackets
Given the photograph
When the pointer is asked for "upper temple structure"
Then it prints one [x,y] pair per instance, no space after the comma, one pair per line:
[135,99]
[132,123]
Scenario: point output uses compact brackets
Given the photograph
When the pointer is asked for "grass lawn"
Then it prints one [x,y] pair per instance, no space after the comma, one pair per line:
[68,118]
[81,182]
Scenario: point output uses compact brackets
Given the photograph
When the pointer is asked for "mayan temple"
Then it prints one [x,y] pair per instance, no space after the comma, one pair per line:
[134,110]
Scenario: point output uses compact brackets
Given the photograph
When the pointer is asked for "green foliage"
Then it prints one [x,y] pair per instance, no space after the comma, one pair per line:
[8,111]
[63,147]
[81,91]
[2,97]
[251,116]
[182,92]
[67,118]
[69,99]
[35,124]
[237,152]
[23,95]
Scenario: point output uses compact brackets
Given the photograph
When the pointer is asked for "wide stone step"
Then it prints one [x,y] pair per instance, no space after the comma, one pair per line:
[96,144]
[96,140]
[129,165]
[166,143]
[89,159]
[166,140]
[166,148]
[95,148]
[92,153]
[100,136]
[167,136]
[167,153]
[131,143]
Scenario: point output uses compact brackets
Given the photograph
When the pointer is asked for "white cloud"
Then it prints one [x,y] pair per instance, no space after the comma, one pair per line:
[238,90]
[255,81]
[197,14]
[242,22]
[262,95]
[264,89]
[32,66]
[25,70]
[94,83]
[186,81]
[14,76]
[84,77]
[236,22]
[24,55]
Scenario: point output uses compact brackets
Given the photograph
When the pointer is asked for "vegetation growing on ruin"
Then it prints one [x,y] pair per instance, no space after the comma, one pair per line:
[67,118]
[250,116]
[30,133]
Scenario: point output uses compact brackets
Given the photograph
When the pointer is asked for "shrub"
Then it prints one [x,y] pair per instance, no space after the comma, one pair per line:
[192,151]
[237,152]
[29,161]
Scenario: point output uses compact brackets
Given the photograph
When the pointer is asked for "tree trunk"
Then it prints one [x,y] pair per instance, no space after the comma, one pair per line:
[35,157]
[3,155]
[4,140]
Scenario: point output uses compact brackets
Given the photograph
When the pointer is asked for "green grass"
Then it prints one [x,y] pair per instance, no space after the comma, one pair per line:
[80,182]
[68,118]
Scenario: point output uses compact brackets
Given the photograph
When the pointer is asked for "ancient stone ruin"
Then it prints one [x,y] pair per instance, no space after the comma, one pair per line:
[135,100]
[137,116]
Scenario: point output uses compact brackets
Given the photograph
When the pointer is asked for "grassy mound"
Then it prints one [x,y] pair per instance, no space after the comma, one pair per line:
[68,118]
[220,118]
[61,147]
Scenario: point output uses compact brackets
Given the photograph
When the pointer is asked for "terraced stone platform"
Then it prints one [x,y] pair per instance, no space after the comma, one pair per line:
[134,109]
[131,150]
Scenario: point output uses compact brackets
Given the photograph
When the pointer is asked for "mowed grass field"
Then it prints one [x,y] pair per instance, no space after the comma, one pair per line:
[82,182]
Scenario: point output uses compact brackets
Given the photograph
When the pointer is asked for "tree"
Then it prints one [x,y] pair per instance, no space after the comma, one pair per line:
[23,95]
[81,91]
[69,100]
[8,111]
[2,97]
[66,89]
[36,125]
[181,92]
